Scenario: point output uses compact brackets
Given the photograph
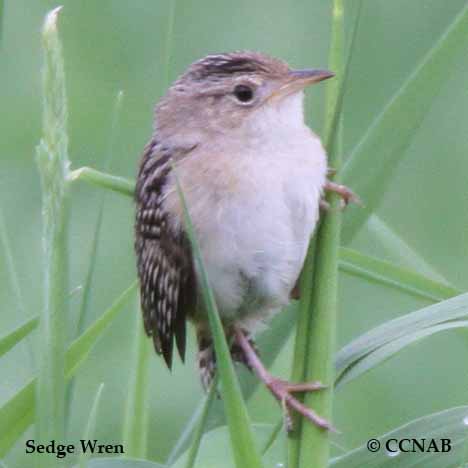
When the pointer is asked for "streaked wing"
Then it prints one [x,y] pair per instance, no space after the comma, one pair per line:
[164,260]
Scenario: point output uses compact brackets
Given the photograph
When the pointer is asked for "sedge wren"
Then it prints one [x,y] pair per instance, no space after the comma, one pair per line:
[252,173]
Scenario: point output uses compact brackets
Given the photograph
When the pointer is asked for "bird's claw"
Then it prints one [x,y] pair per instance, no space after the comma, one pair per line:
[283,391]
[346,194]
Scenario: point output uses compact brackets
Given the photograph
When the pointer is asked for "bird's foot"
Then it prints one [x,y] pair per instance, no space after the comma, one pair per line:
[346,194]
[282,390]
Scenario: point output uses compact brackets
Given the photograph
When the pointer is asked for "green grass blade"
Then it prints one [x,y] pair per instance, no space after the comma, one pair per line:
[275,432]
[242,440]
[135,428]
[215,449]
[301,340]
[388,350]
[91,425]
[86,301]
[88,283]
[380,271]
[391,243]
[186,435]
[198,433]
[450,310]
[12,338]
[314,442]
[336,99]
[13,275]
[448,424]
[382,146]
[80,348]
[101,179]
[331,136]
[53,163]
[17,414]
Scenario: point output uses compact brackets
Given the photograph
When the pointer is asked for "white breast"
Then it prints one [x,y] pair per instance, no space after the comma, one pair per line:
[254,203]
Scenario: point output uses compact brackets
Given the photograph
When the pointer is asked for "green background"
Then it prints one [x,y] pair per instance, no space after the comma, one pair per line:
[120,45]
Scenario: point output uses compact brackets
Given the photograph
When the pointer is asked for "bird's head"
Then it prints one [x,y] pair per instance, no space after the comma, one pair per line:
[226,92]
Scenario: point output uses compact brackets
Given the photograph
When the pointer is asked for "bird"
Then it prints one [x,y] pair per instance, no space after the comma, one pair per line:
[231,132]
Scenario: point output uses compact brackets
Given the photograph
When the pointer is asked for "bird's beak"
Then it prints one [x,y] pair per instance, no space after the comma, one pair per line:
[296,80]
[309,76]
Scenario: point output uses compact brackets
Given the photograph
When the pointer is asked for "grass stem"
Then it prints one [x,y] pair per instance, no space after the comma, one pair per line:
[101,179]
[314,443]
[52,159]
[135,437]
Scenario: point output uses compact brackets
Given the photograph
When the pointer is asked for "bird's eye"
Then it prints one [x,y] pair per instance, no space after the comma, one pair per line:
[243,93]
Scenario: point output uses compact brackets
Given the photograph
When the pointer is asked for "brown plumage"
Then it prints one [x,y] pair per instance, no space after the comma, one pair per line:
[164,261]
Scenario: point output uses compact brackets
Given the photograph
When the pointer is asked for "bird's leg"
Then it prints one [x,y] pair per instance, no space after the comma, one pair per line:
[238,354]
[206,357]
[281,389]
[346,194]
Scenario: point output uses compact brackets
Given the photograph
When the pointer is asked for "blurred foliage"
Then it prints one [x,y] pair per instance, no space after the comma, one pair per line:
[421,222]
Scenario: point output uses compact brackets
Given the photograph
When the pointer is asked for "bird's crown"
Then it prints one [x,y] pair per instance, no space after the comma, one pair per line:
[219,66]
